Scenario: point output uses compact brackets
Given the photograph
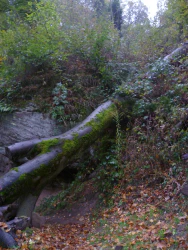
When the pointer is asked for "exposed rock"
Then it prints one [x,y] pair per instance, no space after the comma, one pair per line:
[19,223]
[184,189]
[48,192]
[38,220]
[24,125]
[5,164]
[185,157]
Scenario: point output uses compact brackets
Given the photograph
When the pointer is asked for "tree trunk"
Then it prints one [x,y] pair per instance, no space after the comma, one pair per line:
[182,50]
[20,148]
[54,154]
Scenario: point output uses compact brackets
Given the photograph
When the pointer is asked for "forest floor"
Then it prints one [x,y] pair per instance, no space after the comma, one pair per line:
[145,214]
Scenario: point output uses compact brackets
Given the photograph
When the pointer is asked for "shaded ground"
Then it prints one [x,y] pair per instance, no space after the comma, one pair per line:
[73,212]
[140,217]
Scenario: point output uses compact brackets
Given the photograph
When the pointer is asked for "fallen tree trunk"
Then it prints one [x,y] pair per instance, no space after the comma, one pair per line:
[54,154]
[182,50]
[7,240]
[175,55]
[20,148]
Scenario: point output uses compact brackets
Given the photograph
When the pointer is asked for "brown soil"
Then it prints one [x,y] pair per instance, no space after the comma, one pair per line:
[74,213]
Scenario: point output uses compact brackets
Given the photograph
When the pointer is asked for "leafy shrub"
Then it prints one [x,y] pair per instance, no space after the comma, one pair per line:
[5,108]
[59,100]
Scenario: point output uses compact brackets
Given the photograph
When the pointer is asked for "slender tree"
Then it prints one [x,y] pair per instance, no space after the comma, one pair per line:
[135,26]
[116,12]
[99,6]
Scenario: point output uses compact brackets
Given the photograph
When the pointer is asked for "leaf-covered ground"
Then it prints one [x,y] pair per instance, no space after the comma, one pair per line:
[144,215]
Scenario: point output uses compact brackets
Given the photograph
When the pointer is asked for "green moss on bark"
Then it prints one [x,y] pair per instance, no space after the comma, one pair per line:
[15,169]
[44,146]
[98,126]
[31,182]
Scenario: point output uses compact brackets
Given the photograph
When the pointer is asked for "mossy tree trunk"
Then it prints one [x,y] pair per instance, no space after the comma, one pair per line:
[53,155]
[56,152]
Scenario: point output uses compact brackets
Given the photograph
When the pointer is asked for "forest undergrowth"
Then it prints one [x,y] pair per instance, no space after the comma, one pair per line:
[66,58]
[137,173]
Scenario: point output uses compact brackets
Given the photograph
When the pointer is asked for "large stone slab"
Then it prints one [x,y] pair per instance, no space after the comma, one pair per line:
[25,125]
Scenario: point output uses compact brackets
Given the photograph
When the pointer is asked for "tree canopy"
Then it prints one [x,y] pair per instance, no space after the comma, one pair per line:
[43,36]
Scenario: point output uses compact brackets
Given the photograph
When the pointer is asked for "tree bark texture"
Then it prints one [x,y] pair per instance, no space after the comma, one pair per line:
[54,154]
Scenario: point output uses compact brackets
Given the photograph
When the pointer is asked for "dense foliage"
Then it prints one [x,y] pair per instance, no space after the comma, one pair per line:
[68,56]
[80,44]
[54,43]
